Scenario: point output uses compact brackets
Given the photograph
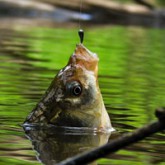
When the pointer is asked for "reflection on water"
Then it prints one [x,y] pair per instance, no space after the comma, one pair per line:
[131,77]
[54,144]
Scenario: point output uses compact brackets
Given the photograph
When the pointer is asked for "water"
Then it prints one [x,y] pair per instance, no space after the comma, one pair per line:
[131,77]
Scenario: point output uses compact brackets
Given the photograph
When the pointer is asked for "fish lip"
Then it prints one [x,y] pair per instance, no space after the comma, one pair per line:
[82,50]
[85,59]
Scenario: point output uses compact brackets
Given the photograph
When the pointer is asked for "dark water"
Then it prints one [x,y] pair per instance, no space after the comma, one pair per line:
[131,77]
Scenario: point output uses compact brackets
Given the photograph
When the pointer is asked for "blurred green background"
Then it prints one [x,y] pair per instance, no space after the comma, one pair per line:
[35,45]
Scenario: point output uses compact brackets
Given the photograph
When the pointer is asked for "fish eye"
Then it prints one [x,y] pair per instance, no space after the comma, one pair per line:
[74,88]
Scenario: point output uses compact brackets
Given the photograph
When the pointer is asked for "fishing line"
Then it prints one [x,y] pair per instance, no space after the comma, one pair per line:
[80,32]
[80,13]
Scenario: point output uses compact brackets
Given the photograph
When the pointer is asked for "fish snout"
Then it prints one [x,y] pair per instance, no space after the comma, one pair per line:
[84,58]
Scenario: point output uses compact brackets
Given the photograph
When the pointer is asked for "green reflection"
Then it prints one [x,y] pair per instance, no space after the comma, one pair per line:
[131,76]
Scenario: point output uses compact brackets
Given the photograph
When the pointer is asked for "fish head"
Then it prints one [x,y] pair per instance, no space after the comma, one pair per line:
[74,98]
[77,81]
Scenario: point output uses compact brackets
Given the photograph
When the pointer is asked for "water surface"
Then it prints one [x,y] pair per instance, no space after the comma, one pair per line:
[131,77]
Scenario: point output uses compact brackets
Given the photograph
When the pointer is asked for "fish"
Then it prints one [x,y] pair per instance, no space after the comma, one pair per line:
[74,99]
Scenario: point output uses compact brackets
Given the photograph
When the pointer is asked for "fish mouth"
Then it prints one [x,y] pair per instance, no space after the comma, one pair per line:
[84,58]
[83,51]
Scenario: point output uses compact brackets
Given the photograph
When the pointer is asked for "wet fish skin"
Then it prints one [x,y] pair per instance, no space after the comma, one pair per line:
[60,106]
